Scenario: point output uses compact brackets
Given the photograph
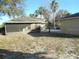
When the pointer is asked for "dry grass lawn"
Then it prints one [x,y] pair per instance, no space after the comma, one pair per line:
[28,44]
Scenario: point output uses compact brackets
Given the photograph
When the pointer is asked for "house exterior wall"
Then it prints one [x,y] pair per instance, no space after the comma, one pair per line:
[70,26]
[33,26]
[15,27]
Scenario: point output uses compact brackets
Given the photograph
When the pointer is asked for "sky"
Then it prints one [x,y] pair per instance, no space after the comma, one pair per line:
[71,5]
[31,5]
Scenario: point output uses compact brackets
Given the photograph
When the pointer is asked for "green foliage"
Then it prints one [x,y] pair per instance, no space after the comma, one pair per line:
[54,6]
[11,7]
[41,11]
[31,15]
[62,13]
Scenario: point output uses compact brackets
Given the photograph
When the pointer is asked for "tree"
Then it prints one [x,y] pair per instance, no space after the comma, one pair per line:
[54,8]
[31,15]
[46,15]
[42,12]
[65,13]
[11,7]
[62,13]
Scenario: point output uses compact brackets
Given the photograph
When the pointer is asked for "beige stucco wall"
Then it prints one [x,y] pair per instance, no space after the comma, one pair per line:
[70,26]
[33,26]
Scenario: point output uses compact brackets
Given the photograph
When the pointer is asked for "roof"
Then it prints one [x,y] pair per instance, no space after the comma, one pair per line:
[26,19]
[73,15]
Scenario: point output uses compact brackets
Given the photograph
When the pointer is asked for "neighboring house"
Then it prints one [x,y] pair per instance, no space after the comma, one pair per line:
[70,24]
[24,24]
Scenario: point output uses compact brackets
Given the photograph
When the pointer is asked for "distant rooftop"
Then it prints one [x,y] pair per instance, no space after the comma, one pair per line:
[26,19]
[73,15]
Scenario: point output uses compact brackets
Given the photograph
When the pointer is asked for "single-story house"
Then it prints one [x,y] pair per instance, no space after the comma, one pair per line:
[24,23]
[70,24]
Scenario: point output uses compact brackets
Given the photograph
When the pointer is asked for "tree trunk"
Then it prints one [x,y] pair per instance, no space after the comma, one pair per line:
[54,21]
[49,26]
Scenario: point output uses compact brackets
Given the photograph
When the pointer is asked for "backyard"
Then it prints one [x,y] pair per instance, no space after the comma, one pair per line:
[25,46]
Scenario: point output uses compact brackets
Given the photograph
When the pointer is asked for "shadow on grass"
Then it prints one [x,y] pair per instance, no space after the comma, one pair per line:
[6,54]
[52,34]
